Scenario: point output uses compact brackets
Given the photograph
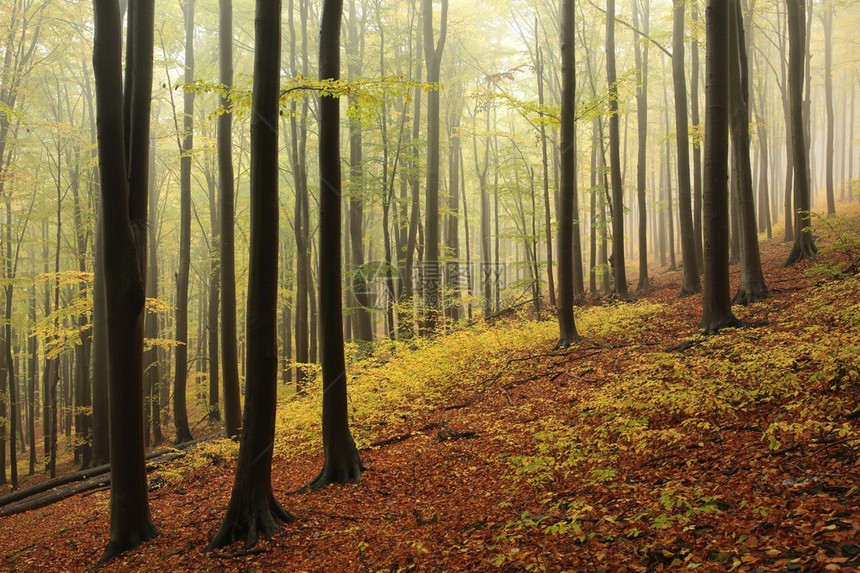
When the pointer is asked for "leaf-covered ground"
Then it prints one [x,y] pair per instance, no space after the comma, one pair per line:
[487,449]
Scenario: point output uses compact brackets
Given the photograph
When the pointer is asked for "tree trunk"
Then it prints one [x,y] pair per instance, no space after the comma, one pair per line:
[546,203]
[688,242]
[252,510]
[124,215]
[827,21]
[618,266]
[716,305]
[433,57]
[152,377]
[804,246]
[360,296]
[567,325]
[752,286]
[180,412]
[342,462]
[641,57]
[697,141]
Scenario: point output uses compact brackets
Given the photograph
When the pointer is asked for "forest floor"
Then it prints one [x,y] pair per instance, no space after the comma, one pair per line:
[486,448]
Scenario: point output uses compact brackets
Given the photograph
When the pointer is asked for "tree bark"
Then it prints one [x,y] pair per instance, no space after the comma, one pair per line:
[827,21]
[342,463]
[180,411]
[641,57]
[618,266]
[804,246]
[688,242]
[433,57]
[716,305]
[752,286]
[567,326]
[124,215]
[252,510]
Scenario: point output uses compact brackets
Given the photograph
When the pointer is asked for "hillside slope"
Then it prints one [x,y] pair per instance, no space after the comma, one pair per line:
[486,448]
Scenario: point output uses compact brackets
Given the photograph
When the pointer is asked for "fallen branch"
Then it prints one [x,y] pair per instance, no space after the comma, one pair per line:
[402,437]
[80,476]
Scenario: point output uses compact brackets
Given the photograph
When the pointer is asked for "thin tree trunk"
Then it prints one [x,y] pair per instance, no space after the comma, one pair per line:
[688,242]
[804,246]
[617,208]
[180,374]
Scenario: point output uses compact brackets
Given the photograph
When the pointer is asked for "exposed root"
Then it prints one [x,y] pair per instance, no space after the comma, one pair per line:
[567,342]
[803,249]
[730,322]
[251,520]
[340,469]
[130,541]
[750,293]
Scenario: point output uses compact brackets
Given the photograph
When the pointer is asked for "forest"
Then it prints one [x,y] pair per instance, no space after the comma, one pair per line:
[359,285]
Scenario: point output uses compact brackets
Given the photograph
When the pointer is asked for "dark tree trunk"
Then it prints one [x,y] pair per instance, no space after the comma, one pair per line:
[618,266]
[716,305]
[180,374]
[124,216]
[688,242]
[752,286]
[804,246]
[101,428]
[211,329]
[342,462]
[252,510]
[567,326]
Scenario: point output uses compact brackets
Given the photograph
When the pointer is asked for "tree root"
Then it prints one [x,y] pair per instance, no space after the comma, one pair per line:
[344,468]
[130,541]
[748,294]
[255,518]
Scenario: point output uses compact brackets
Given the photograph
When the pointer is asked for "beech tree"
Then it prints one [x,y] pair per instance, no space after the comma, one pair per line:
[804,245]
[617,208]
[433,57]
[253,510]
[342,463]
[688,243]
[229,357]
[567,325]
[123,141]
[716,304]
